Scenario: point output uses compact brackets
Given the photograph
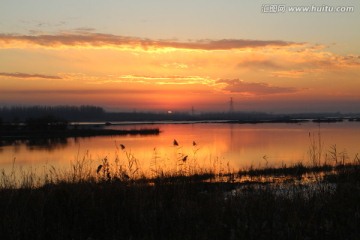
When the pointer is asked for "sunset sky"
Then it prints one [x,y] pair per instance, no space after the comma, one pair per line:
[160,55]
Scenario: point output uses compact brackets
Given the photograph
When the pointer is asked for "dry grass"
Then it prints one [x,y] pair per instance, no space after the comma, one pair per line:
[114,199]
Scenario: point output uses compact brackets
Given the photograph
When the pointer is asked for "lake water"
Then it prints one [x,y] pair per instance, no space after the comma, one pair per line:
[218,145]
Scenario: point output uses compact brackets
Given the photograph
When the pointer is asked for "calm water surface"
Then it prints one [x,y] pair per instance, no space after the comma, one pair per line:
[217,144]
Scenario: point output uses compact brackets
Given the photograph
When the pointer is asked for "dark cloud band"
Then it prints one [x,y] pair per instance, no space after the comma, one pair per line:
[238,86]
[25,75]
[99,40]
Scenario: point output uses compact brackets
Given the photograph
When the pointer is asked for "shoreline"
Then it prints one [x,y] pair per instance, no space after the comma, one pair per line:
[25,134]
[266,121]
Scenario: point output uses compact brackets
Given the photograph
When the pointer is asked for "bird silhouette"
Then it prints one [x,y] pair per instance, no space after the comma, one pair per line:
[194,143]
[122,146]
[175,143]
[184,158]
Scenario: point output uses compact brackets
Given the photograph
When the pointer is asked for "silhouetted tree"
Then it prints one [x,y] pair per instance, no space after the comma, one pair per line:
[70,113]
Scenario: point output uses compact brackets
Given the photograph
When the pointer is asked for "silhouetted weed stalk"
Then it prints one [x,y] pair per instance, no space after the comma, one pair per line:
[186,164]
[112,198]
[125,167]
[332,157]
[315,151]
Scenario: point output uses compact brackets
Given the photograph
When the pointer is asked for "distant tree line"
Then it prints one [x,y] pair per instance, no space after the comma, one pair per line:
[63,114]
[69,113]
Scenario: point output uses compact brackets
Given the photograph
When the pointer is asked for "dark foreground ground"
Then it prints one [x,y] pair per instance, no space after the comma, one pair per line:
[185,208]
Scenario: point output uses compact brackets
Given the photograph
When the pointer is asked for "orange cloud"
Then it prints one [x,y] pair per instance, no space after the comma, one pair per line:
[254,88]
[26,75]
[289,74]
[84,39]
[129,72]
[259,63]
[81,91]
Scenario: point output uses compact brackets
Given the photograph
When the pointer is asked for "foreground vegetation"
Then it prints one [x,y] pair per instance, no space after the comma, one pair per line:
[118,202]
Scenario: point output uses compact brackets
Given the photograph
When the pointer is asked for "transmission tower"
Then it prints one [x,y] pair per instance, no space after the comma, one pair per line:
[231,105]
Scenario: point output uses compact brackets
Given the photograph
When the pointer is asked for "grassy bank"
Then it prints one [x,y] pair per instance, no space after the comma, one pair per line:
[33,134]
[52,138]
[48,128]
[102,204]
